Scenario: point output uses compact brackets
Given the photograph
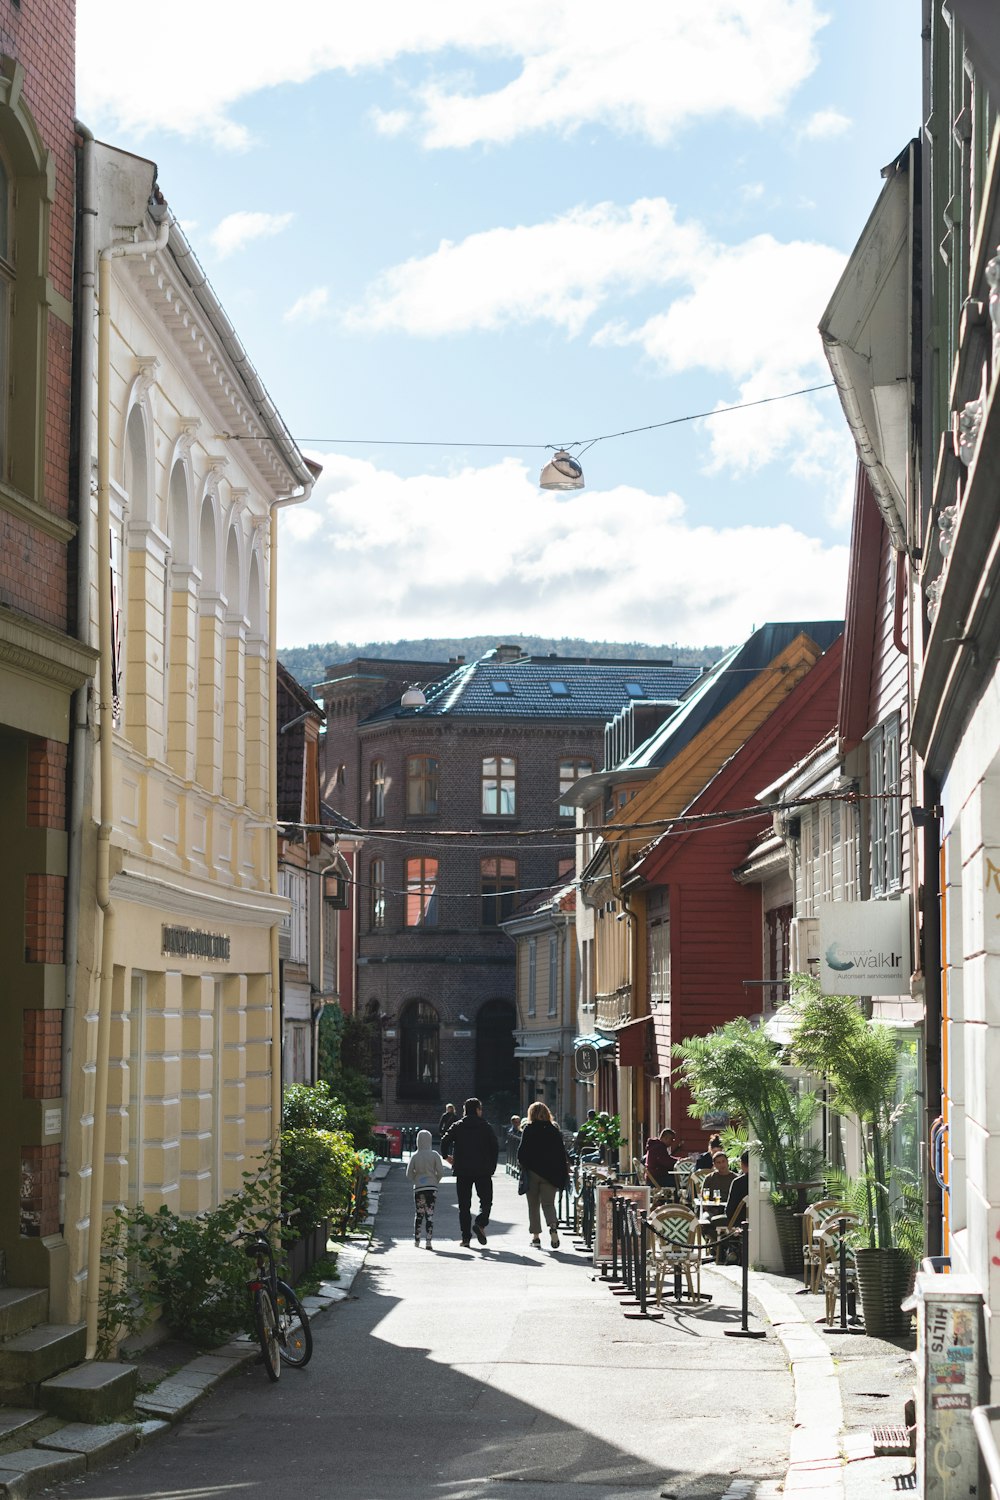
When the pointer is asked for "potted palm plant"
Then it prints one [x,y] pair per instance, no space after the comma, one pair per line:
[860,1058]
[737,1070]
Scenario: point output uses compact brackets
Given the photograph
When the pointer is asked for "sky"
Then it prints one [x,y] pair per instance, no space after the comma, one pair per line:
[522,226]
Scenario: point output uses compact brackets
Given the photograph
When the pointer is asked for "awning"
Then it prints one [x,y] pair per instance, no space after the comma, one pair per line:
[635,1043]
[594,1039]
[534,1051]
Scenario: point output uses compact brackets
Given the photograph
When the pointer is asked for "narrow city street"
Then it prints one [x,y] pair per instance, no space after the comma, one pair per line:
[456,1373]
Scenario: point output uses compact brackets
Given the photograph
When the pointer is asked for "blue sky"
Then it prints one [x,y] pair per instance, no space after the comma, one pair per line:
[531,224]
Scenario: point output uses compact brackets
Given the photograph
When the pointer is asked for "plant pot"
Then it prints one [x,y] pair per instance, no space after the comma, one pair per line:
[885,1279]
[789,1229]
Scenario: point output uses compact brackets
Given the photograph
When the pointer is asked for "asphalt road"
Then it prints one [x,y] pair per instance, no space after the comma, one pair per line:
[503,1373]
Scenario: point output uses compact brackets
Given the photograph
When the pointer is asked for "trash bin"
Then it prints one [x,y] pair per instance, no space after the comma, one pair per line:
[951,1381]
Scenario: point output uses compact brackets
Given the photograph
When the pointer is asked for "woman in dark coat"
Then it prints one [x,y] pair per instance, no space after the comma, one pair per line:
[542,1155]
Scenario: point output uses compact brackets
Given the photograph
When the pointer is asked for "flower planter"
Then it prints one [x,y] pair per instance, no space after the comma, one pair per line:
[305,1252]
[789,1227]
[885,1279]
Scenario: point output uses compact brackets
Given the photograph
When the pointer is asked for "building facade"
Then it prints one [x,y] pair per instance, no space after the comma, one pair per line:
[462,797]
[173,1069]
[46,659]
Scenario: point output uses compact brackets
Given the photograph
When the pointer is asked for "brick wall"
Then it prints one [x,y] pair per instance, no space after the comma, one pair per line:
[39,1191]
[41,1071]
[44,915]
[46,784]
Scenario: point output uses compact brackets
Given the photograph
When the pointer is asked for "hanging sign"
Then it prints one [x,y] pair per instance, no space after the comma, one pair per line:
[586,1058]
[864,947]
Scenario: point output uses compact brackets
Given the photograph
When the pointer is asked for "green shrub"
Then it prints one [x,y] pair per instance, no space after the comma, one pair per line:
[311,1107]
[317,1176]
[194,1270]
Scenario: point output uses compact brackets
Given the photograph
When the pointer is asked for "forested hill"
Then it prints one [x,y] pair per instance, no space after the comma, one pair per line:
[308,664]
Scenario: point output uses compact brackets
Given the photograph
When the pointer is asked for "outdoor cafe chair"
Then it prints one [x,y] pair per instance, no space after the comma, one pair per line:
[828,1236]
[812,1253]
[674,1249]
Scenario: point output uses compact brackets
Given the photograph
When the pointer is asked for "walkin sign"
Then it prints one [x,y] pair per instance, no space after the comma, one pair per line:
[864,947]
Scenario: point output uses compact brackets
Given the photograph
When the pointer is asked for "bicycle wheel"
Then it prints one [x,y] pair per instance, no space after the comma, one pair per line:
[265,1324]
[294,1334]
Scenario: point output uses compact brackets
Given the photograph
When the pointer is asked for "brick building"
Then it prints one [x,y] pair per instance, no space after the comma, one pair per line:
[458,786]
[42,664]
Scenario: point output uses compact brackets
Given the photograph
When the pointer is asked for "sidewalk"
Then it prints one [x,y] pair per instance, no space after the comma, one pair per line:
[65,1450]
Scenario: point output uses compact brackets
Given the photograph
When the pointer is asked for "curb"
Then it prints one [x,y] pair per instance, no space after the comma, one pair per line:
[815,1461]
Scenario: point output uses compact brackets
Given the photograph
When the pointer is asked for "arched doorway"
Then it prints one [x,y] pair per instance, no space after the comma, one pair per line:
[496,1068]
[419,1052]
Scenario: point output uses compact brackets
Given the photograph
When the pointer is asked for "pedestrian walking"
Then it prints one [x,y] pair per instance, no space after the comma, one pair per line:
[425,1170]
[445,1123]
[542,1154]
[472,1148]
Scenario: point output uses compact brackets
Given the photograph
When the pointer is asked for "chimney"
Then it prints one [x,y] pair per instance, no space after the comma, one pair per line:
[507,653]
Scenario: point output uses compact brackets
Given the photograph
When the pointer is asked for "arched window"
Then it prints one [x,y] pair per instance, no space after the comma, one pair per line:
[497,884]
[499,780]
[419,1052]
[421,892]
[376,894]
[377,791]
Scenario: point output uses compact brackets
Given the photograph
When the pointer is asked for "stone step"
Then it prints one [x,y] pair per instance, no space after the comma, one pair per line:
[29,1470]
[30,1358]
[92,1392]
[100,1444]
[16,1423]
[21,1307]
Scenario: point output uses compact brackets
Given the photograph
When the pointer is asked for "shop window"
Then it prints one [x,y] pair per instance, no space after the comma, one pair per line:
[419,1052]
[497,884]
[421,786]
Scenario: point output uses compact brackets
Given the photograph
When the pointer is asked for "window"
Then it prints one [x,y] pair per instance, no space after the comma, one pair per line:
[499,686]
[849,850]
[569,771]
[499,786]
[421,786]
[635,690]
[497,884]
[825,852]
[376,894]
[419,1069]
[553,973]
[376,791]
[558,689]
[292,883]
[808,870]
[885,817]
[421,892]
[565,868]
[532,974]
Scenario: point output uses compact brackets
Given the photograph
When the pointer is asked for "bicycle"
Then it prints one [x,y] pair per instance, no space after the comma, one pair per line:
[279,1319]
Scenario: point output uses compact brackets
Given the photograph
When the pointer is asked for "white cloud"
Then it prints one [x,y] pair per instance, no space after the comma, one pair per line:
[309,307]
[825,124]
[646,68]
[387,556]
[559,272]
[235,231]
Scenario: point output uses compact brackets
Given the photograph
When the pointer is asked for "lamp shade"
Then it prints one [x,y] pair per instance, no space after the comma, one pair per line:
[561,473]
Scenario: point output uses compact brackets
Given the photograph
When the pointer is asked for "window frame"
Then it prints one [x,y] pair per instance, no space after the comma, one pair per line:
[422,875]
[376,791]
[497,887]
[577,762]
[423,785]
[885,823]
[494,785]
[419,1045]
[376,895]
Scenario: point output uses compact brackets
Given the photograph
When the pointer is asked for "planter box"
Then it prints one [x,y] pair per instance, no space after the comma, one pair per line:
[885,1279]
[306,1251]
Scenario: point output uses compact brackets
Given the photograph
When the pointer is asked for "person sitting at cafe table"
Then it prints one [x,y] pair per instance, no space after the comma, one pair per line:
[740,1186]
[718,1182]
[705,1159]
[660,1160]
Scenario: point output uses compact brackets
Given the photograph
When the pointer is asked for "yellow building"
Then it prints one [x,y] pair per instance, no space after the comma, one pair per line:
[172,1047]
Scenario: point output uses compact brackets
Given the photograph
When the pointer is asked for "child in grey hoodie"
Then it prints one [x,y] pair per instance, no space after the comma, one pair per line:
[425,1170]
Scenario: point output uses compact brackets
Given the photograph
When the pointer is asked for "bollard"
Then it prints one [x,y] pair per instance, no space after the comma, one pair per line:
[744,1331]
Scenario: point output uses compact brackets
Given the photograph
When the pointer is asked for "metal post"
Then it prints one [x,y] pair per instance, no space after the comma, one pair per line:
[744,1331]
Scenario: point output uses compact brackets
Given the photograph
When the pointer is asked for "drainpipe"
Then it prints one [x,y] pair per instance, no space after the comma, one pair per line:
[106,824]
[79,731]
[297,496]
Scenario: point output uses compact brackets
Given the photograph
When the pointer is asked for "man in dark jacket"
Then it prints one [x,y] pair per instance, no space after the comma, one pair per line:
[472,1148]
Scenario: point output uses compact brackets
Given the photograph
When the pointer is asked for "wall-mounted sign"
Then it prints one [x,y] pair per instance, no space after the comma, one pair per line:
[52,1121]
[185,942]
[864,947]
[461,1033]
[586,1058]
